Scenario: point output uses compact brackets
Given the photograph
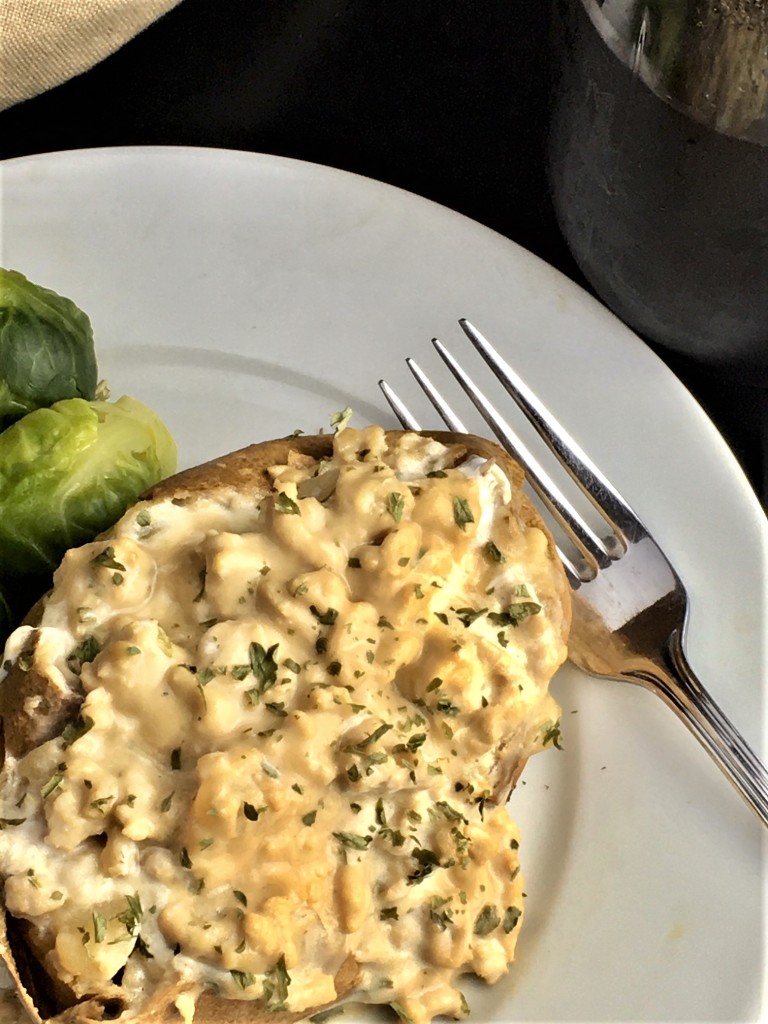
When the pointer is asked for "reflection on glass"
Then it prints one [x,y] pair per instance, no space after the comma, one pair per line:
[659,168]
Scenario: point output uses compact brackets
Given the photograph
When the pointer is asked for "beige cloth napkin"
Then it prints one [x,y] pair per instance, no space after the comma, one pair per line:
[45,42]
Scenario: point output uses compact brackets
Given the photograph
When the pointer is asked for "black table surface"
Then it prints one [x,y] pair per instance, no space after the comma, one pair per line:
[444,98]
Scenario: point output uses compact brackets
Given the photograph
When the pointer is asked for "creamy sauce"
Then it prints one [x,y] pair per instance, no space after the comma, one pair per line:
[297,716]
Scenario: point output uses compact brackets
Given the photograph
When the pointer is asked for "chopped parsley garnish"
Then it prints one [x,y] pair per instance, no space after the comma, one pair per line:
[165,806]
[450,812]
[286,505]
[468,615]
[412,744]
[487,920]
[309,818]
[240,897]
[263,665]
[359,748]
[437,914]
[437,474]
[276,982]
[462,513]
[388,914]
[100,804]
[352,840]
[106,560]
[447,707]
[132,915]
[243,979]
[85,652]
[51,785]
[74,730]
[326,618]
[516,613]
[339,420]
[99,926]
[396,505]
[511,917]
[184,858]
[493,553]
[353,563]
[427,862]
[10,822]
[552,735]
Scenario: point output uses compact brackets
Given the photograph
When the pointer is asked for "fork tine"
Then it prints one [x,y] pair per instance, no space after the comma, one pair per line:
[399,408]
[580,467]
[586,540]
[450,418]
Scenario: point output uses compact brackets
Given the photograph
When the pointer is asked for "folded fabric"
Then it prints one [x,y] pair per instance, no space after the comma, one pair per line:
[45,42]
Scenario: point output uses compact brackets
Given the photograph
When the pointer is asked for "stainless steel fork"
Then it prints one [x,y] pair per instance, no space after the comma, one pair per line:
[629,605]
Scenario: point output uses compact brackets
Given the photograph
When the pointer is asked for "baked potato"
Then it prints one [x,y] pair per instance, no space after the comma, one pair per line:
[259,737]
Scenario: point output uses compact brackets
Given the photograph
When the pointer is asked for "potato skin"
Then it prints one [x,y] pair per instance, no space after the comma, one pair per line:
[242,470]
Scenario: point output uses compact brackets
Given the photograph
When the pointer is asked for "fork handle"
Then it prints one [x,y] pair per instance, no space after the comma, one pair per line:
[677,684]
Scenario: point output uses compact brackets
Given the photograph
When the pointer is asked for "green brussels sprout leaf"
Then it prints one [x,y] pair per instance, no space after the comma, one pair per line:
[46,348]
[70,471]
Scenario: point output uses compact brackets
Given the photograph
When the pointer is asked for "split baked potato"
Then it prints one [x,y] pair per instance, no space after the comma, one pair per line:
[259,737]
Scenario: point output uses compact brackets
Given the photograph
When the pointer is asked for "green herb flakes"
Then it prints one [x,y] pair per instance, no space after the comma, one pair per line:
[352,840]
[462,513]
[487,920]
[286,505]
[276,982]
[51,786]
[552,735]
[396,505]
[99,926]
[493,553]
[243,979]
[106,560]
[511,917]
[263,665]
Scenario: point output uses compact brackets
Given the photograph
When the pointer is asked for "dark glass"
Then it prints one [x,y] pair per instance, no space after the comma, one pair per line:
[659,169]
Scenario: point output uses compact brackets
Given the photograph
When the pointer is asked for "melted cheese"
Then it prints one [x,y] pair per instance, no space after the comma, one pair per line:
[295,716]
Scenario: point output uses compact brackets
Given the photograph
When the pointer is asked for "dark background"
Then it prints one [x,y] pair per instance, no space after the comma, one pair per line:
[445,98]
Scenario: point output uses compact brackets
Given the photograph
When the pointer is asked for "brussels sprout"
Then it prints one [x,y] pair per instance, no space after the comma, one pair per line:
[70,471]
[46,348]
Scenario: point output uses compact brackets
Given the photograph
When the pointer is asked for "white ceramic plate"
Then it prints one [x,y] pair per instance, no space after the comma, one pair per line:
[243,296]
